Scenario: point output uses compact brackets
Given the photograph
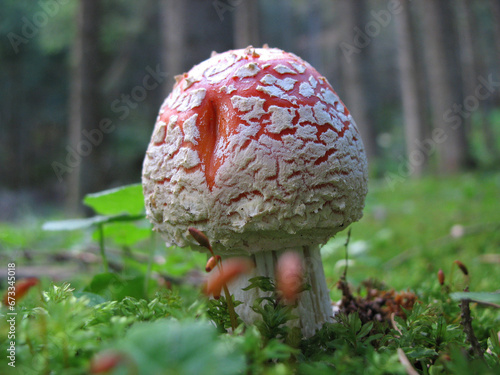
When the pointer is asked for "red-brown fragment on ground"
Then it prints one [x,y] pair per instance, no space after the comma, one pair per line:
[21,288]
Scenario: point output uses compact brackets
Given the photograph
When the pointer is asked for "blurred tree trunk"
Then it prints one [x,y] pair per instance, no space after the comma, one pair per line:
[352,62]
[495,12]
[470,57]
[448,136]
[286,22]
[84,103]
[173,35]
[413,105]
[314,27]
[246,24]
[468,60]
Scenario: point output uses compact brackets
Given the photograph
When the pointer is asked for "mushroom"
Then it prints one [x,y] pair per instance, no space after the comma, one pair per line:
[254,148]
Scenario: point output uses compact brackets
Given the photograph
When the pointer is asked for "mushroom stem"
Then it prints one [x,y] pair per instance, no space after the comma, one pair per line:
[314,306]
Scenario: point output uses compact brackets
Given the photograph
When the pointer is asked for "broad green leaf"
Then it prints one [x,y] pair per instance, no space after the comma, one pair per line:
[420,353]
[485,297]
[125,199]
[127,233]
[76,224]
[93,299]
[104,281]
[187,347]
[113,286]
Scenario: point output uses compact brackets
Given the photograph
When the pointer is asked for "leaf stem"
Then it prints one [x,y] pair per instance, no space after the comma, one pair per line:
[147,277]
[230,308]
[346,245]
[102,249]
[229,302]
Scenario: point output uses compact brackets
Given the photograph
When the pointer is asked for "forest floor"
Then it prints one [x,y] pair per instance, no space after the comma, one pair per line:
[407,235]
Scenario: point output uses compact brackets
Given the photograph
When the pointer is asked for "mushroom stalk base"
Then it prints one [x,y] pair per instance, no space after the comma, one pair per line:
[314,306]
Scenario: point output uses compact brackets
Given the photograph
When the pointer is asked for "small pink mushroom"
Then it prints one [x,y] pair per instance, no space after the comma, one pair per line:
[290,276]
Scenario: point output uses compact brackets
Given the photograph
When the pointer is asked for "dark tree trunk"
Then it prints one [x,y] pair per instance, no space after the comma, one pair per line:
[413,105]
[353,81]
[286,22]
[314,34]
[444,87]
[84,103]
[173,35]
[470,57]
[495,13]
[246,24]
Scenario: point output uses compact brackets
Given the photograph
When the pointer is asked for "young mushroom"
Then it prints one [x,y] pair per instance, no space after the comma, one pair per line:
[254,148]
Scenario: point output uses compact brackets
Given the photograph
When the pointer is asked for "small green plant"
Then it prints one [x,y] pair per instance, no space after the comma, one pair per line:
[275,313]
[349,346]
[218,312]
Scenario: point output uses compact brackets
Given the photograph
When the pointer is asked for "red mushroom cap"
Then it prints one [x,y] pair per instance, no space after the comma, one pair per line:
[254,148]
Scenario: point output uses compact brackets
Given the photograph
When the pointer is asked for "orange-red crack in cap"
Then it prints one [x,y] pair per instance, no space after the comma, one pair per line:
[254,148]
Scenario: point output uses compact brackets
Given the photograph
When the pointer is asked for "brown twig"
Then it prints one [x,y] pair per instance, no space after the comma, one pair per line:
[394,325]
[406,363]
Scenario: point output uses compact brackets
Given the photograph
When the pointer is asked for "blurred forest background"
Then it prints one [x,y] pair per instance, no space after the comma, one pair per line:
[81,82]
